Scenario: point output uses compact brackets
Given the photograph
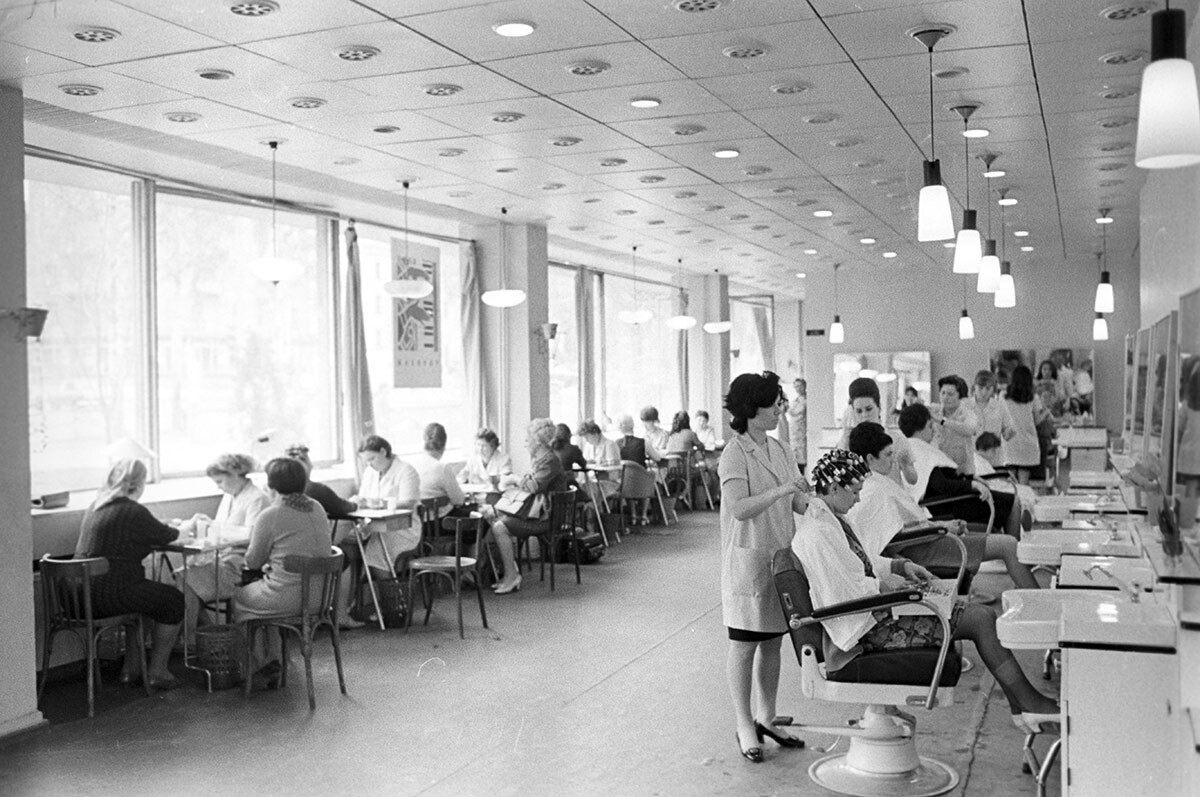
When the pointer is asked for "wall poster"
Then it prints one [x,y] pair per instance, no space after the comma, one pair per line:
[416,327]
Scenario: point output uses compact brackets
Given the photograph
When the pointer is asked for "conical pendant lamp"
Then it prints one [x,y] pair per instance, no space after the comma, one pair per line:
[934,219]
[1105,301]
[837,332]
[989,264]
[1168,111]
[1006,291]
[968,246]
[273,268]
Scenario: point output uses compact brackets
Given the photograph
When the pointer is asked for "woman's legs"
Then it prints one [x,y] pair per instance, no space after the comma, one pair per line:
[1002,547]
[504,541]
[740,672]
[766,679]
[978,624]
[1022,475]
[164,640]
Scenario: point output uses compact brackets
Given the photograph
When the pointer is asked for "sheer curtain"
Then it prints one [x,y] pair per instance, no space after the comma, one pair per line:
[472,340]
[357,375]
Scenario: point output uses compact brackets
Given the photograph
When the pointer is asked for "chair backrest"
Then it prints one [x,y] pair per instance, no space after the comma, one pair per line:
[459,527]
[636,481]
[679,472]
[67,587]
[427,514]
[562,510]
[328,569]
[791,583]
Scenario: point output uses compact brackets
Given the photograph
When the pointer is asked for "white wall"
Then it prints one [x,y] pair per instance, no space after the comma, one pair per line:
[18,690]
[1170,251]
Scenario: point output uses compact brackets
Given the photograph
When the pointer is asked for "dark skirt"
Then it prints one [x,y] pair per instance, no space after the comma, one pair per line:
[121,595]
[742,635]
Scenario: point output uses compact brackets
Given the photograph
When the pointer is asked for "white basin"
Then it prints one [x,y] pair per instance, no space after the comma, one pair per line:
[1031,617]
[1118,623]
[1047,546]
[1127,569]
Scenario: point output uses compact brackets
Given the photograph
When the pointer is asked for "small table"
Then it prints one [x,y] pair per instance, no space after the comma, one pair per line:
[187,548]
[370,521]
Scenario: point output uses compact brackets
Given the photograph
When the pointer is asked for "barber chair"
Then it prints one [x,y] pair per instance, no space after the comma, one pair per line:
[882,755]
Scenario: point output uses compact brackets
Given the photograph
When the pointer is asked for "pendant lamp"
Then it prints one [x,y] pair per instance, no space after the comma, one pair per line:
[1168,112]
[968,246]
[718,327]
[274,269]
[1006,290]
[637,315]
[682,321]
[989,264]
[503,296]
[1100,327]
[411,282]
[934,219]
[1104,290]
[966,327]
[837,332]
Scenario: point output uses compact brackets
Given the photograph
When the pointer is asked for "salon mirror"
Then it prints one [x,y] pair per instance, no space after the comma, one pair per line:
[1063,380]
[1141,355]
[1160,394]
[1187,418]
[895,372]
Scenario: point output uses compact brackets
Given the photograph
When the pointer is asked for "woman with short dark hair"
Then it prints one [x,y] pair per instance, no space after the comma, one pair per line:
[294,525]
[488,464]
[385,477]
[760,491]
[437,480]
[1025,408]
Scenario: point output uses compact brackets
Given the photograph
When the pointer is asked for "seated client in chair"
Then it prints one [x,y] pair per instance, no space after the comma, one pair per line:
[840,569]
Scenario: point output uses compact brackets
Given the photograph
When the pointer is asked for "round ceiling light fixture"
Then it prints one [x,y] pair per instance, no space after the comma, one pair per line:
[645,102]
[697,6]
[976,132]
[565,141]
[726,153]
[452,152]
[746,51]
[688,130]
[791,87]
[611,162]
[822,214]
[514,29]
[385,129]
[306,103]
[889,255]
[214,74]
[507,117]
[182,117]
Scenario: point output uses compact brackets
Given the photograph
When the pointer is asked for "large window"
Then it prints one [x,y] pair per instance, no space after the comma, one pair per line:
[751,341]
[87,372]
[401,410]
[643,363]
[564,349]
[240,358]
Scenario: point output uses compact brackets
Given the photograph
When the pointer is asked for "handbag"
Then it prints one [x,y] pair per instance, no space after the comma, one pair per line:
[523,504]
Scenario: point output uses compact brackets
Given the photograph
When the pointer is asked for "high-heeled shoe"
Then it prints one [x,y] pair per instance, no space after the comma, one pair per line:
[782,739]
[512,586]
[165,684]
[1032,721]
[753,755]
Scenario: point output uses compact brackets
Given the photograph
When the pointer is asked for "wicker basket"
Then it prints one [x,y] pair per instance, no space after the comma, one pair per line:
[218,650]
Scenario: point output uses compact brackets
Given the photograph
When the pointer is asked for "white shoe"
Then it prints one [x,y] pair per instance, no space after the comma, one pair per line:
[512,586]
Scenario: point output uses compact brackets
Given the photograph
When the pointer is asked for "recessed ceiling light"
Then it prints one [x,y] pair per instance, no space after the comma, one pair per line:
[255,9]
[441,89]
[645,102]
[800,275]
[626,212]
[182,117]
[655,222]
[1115,122]
[1111,167]
[1118,93]
[870,163]
[306,103]
[506,117]
[756,171]
[609,162]
[994,173]
[889,255]
[95,35]
[866,241]
[793,87]
[744,51]
[846,143]
[1115,146]
[783,189]
[1026,248]
[588,68]
[80,90]
[688,130]
[1006,201]
[565,141]
[760,227]
[822,214]
[591,200]
[820,118]
[726,153]
[385,129]
[1023,233]
[804,203]
[810,251]
[712,208]
[515,29]
[356,52]
[976,132]
[683,232]
[739,216]
[1124,13]
[214,74]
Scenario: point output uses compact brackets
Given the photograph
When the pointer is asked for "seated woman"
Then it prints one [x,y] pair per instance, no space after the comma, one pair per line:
[865,404]
[630,448]
[938,478]
[705,432]
[215,577]
[682,440]
[123,531]
[334,505]
[885,509]
[598,449]
[294,524]
[655,436]
[387,477]
[488,464]
[437,480]
[569,454]
[839,568]
[545,476]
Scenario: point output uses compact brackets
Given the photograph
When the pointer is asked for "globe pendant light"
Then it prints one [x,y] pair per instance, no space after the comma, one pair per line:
[1006,290]
[718,327]
[968,246]
[1104,290]
[1168,111]
[989,264]
[837,332]
[503,296]
[411,283]
[682,321]
[274,269]
[934,219]
[637,315]
[1100,328]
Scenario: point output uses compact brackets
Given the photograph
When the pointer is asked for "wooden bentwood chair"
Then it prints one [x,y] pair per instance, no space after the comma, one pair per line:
[465,533]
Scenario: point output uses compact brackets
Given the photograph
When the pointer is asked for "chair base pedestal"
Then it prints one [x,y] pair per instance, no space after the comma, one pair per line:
[927,778]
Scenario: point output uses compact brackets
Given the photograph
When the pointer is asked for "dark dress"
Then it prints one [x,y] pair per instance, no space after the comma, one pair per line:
[633,449]
[945,483]
[546,475]
[571,455]
[334,505]
[124,532]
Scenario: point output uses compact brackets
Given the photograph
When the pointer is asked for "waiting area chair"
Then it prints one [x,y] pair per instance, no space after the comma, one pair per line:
[560,523]
[683,477]
[67,606]
[638,486]
[465,534]
[882,756]
[319,578]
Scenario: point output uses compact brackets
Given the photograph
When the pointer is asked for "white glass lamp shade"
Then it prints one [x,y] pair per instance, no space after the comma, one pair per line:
[409,288]
[837,332]
[718,327]
[1104,295]
[1100,328]
[634,317]
[989,269]
[681,322]
[504,297]
[968,247]
[275,269]
[935,222]
[966,327]
[1168,111]
[1006,292]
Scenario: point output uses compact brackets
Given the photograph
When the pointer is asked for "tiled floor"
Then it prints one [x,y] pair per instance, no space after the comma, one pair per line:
[614,686]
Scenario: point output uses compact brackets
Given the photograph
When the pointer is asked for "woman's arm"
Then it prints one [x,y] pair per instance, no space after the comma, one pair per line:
[145,528]
[261,540]
[450,485]
[746,506]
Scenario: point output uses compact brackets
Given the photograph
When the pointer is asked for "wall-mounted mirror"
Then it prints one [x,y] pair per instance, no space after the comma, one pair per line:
[1160,393]
[1127,405]
[1141,354]
[1063,379]
[895,372]
[1187,419]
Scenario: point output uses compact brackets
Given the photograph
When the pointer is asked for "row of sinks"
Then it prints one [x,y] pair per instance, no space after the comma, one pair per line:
[1087,610]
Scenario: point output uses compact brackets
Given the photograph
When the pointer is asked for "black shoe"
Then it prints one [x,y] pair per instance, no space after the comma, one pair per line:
[782,739]
[753,755]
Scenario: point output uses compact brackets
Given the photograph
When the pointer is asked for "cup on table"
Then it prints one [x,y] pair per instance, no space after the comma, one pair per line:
[201,526]
[391,504]
[495,481]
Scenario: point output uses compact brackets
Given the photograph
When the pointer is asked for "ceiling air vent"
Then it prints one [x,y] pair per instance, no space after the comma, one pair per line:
[451,152]
[565,141]
[256,9]
[711,208]
[793,87]
[1127,12]
[756,171]
[215,74]
[651,179]
[356,52]
[1122,93]
[588,68]
[441,89]
[744,51]
[182,117]
[1123,57]
[697,6]
[820,118]
[626,212]
[96,35]
[1115,122]
[951,72]
[688,130]
[684,194]
[306,103]
[1116,146]
[610,162]
[553,186]
[385,129]
[80,90]
[507,117]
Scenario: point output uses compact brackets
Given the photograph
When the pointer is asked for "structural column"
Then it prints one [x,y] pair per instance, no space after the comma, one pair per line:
[708,355]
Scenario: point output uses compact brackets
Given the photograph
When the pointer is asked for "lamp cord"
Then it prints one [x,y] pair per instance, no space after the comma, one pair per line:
[274,235]
[835,290]
[1003,236]
[406,259]
[967,161]
[989,206]
[932,145]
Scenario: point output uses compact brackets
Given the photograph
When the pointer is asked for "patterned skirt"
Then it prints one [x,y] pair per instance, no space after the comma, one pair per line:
[908,631]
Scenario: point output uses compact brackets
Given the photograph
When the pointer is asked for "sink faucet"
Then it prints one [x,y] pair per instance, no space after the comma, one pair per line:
[1134,589]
